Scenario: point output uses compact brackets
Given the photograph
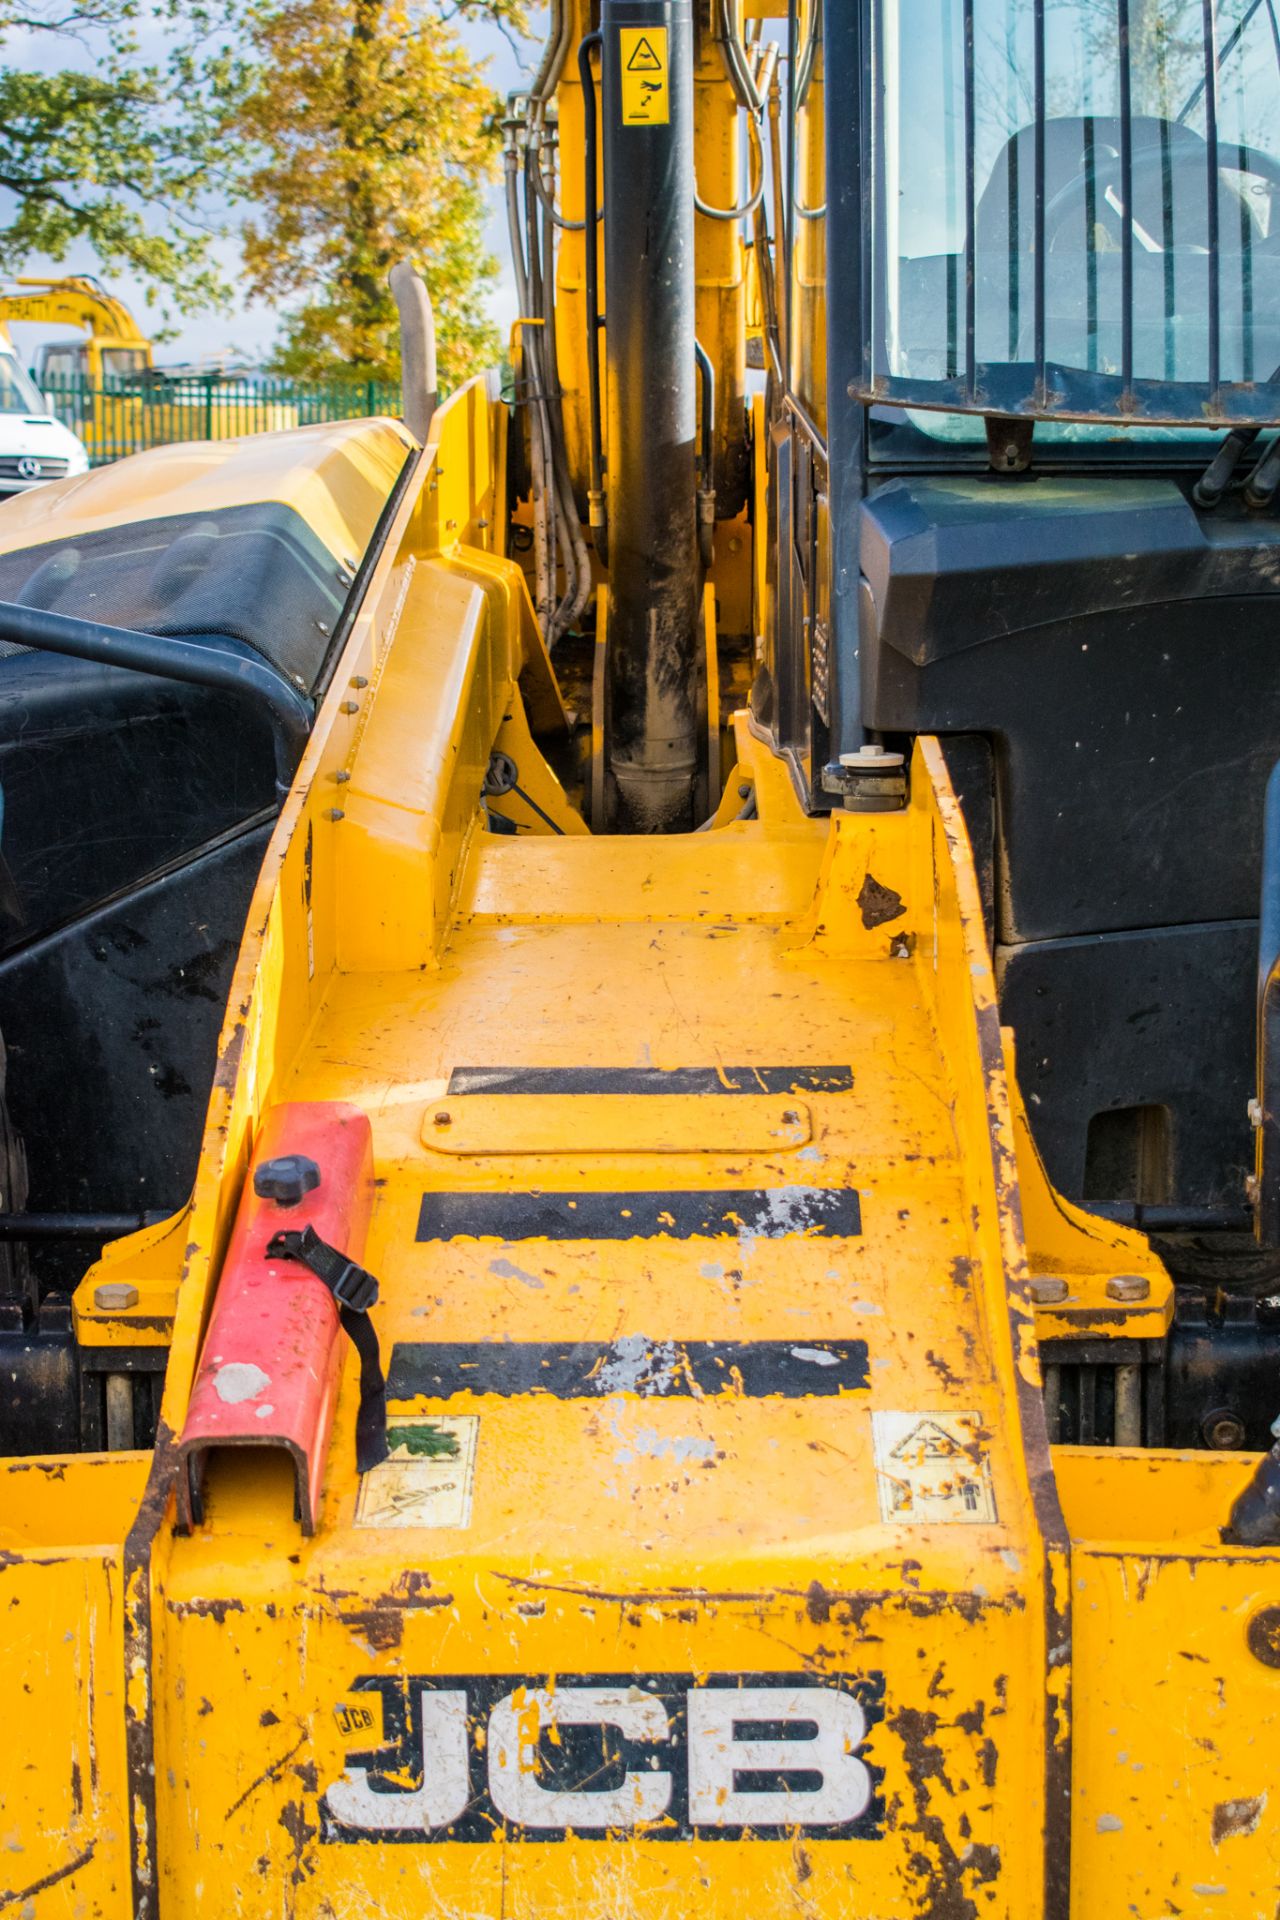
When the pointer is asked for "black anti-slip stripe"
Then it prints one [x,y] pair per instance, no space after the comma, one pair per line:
[767,1213]
[634,1364]
[651,1080]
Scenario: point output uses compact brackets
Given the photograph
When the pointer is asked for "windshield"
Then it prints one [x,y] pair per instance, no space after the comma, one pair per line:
[18,391]
[1062,229]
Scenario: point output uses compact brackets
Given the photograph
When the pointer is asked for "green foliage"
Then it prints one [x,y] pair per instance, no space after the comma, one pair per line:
[427,1442]
[115,150]
[374,132]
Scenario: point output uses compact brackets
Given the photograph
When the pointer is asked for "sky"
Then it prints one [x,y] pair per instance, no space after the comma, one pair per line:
[247,330]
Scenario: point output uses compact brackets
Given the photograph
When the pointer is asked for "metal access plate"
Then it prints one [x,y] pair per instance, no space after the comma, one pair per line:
[615,1123]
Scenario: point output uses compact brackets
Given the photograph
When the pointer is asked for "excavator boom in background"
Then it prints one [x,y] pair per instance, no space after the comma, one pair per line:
[640,1240]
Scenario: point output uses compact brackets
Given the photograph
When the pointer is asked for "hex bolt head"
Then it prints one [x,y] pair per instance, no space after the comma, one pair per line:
[1128,1287]
[115,1296]
[287,1179]
[1047,1290]
[1224,1429]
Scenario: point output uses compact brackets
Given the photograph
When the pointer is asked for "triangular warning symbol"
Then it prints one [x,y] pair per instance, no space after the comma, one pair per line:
[644,59]
[926,1441]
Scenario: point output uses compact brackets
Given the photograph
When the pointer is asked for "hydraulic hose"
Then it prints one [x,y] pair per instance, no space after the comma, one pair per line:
[597,515]
[706,487]
[577,559]
[543,561]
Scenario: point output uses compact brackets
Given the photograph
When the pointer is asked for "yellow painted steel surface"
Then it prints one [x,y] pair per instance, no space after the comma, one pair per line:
[802,1460]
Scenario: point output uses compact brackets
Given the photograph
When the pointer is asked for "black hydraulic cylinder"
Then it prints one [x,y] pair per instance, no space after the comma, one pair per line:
[653,728]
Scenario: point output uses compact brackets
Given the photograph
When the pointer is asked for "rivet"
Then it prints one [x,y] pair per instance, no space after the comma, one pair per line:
[115,1296]
[350,706]
[335,813]
[342,776]
[442,1119]
[791,1118]
[1128,1287]
[323,625]
[359,680]
[1047,1290]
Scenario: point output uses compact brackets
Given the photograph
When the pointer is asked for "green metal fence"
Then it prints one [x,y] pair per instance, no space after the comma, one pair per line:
[116,417]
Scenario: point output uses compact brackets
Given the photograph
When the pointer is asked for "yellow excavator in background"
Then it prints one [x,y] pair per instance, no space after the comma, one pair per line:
[106,380]
[640,1150]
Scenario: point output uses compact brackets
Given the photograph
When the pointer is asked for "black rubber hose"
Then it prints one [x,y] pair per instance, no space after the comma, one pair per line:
[590,143]
[172,659]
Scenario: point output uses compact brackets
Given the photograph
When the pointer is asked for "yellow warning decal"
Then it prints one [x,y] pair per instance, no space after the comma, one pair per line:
[645,95]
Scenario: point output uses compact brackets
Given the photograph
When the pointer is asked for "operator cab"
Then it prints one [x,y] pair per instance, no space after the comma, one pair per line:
[1044,472]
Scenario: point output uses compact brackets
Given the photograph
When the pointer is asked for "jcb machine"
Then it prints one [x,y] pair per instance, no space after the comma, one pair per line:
[641,1170]
[104,381]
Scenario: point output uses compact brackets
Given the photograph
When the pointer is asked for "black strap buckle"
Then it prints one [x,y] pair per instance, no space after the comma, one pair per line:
[355,1292]
[350,1285]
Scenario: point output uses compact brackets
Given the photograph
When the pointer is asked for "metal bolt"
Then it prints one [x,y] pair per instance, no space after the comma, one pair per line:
[1128,1287]
[1255,1113]
[323,625]
[791,1118]
[342,776]
[1263,1636]
[1251,1189]
[1047,1290]
[335,813]
[1223,1429]
[350,706]
[359,680]
[442,1119]
[115,1296]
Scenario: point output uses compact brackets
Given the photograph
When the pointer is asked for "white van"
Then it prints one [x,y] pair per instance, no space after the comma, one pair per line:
[34,447]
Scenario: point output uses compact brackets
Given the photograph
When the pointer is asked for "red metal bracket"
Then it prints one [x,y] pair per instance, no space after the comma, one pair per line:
[272,1359]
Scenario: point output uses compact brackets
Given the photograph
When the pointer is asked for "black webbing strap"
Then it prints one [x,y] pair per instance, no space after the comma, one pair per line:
[355,1292]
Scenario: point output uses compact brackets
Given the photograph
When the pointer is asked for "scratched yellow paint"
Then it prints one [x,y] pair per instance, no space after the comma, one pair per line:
[703,1534]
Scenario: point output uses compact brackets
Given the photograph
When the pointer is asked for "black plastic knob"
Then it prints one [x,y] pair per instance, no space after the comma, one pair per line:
[286,1180]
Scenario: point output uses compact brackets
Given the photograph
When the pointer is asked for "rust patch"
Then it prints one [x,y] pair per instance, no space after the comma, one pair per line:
[382,1627]
[1233,1819]
[217,1609]
[413,1589]
[878,904]
[228,1067]
[818,1604]
[940,1868]
[945,1374]
[301,1833]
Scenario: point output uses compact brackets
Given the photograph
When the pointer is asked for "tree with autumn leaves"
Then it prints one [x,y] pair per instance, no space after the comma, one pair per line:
[338,136]
[372,134]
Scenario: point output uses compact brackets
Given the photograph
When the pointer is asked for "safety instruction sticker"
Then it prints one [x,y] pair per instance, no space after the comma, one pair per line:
[645,75]
[932,1467]
[428,1478]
